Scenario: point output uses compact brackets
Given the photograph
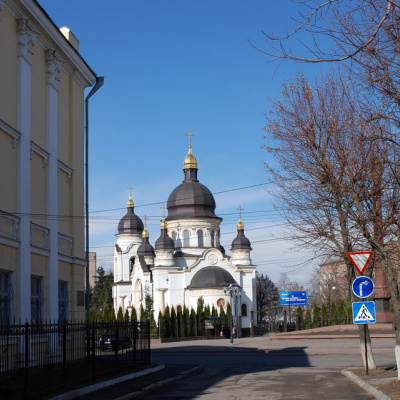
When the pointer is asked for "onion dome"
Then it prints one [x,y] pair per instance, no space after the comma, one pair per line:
[240,242]
[191,198]
[211,277]
[164,242]
[130,223]
[145,249]
[190,160]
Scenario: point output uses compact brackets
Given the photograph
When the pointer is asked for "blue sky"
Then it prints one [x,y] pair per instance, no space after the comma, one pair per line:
[171,66]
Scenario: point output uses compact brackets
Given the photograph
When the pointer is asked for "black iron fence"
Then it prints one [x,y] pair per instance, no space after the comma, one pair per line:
[39,361]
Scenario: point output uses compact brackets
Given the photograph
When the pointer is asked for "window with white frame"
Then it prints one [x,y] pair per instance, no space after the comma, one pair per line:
[200,238]
[174,238]
[212,239]
[63,301]
[186,238]
[6,297]
[37,300]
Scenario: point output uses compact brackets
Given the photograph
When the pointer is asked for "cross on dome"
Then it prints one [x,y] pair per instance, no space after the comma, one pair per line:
[190,134]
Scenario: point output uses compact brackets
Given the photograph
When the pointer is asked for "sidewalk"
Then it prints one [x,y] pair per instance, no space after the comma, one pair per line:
[380,383]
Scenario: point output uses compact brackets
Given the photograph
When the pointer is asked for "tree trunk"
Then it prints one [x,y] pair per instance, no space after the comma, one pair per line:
[370,355]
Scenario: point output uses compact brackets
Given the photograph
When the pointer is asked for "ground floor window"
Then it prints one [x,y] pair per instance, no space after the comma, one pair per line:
[244,310]
[63,301]
[6,297]
[37,300]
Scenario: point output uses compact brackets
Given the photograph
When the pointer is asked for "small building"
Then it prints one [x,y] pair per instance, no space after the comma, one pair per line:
[187,263]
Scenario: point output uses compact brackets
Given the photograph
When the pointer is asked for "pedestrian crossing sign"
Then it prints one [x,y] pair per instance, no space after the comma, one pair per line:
[364,312]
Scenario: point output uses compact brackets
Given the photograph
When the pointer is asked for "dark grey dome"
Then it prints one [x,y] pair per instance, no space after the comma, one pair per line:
[241,242]
[211,277]
[164,242]
[191,199]
[145,249]
[130,223]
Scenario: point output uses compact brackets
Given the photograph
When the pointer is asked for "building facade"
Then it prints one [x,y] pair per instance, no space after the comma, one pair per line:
[42,247]
[187,264]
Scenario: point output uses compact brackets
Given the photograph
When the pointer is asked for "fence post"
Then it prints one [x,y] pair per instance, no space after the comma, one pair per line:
[26,361]
[148,342]
[135,326]
[64,344]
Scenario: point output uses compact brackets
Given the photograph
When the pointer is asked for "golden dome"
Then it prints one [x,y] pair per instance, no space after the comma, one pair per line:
[145,233]
[164,224]
[130,203]
[190,160]
[240,225]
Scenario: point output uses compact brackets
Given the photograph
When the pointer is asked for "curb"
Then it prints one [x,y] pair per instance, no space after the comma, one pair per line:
[92,388]
[158,385]
[364,385]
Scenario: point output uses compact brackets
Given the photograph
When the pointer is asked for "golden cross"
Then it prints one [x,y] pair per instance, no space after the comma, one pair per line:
[163,208]
[145,220]
[130,190]
[190,134]
[240,209]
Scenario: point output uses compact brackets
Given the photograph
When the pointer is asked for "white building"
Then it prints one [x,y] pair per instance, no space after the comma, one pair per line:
[187,262]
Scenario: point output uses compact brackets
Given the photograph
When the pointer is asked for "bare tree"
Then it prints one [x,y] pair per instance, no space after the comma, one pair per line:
[332,187]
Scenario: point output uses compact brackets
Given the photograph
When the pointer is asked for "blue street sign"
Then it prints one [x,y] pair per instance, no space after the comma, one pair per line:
[293,298]
[364,312]
[363,286]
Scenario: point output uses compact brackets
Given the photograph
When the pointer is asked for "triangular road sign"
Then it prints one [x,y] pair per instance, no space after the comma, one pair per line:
[364,314]
[360,260]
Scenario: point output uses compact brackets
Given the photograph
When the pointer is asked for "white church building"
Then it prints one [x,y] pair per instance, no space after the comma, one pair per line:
[187,263]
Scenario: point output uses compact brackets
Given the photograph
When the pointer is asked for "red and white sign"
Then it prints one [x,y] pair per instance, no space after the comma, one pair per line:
[360,260]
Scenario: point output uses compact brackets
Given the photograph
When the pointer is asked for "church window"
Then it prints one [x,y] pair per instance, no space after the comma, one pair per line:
[212,239]
[131,264]
[244,310]
[200,238]
[174,238]
[186,238]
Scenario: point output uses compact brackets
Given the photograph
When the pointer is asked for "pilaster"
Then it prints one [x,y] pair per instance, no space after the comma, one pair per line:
[53,67]
[26,40]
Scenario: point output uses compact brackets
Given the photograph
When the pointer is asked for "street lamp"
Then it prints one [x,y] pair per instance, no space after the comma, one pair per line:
[234,292]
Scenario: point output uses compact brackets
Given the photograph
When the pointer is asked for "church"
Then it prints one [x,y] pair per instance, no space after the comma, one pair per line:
[187,263]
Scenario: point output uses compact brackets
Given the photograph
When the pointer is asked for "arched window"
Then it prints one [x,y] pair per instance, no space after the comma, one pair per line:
[131,264]
[186,239]
[174,238]
[212,239]
[244,310]
[200,238]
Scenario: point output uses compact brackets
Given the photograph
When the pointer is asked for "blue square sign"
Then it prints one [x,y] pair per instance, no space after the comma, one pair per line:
[364,312]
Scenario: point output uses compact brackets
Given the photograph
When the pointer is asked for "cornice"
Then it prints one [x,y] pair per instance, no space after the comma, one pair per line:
[52,38]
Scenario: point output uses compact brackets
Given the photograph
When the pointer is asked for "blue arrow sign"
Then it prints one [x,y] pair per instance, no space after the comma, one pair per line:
[293,298]
[364,312]
[363,286]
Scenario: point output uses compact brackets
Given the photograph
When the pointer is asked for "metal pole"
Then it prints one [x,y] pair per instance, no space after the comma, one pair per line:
[365,349]
[99,83]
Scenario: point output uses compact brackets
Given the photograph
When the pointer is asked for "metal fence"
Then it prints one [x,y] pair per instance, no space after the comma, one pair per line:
[39,361]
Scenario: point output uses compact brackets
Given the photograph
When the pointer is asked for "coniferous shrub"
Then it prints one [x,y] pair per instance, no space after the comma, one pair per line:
[174,325]
[316,317]
[307,323]
[192,323]
[120,315]
[167,322]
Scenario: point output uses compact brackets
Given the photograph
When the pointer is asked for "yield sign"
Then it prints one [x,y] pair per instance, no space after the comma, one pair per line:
[360,260]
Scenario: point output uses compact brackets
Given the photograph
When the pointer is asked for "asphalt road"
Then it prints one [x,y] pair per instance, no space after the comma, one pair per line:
[263,369]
